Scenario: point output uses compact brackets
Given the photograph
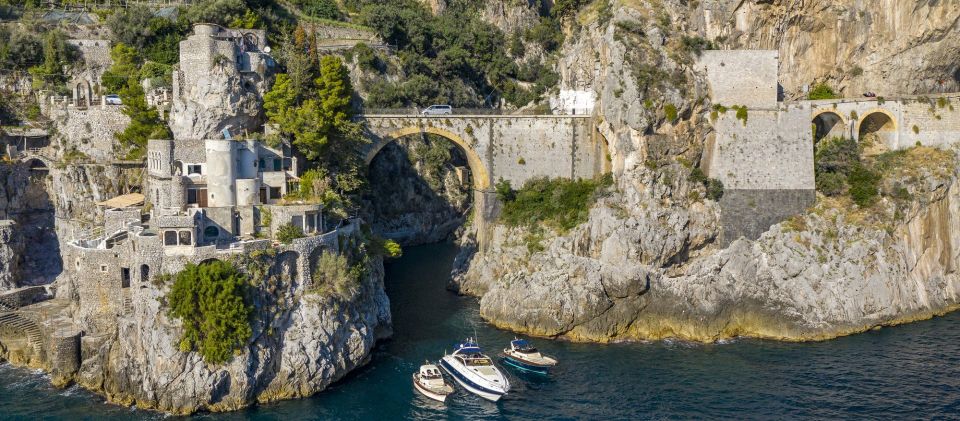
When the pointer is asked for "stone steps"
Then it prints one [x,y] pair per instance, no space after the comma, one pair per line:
[25,325]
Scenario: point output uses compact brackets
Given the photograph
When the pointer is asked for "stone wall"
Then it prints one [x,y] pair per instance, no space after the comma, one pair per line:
[750,213]
[772,150]
[742,77]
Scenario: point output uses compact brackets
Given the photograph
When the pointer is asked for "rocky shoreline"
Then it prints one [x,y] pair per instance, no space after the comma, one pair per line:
[834,271]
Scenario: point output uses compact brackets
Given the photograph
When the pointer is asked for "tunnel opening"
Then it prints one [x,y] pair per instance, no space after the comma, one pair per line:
[420,189]
[828,124]
[876,133]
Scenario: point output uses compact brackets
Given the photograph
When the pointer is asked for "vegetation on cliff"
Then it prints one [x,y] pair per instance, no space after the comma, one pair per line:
[213,303]
[557,203]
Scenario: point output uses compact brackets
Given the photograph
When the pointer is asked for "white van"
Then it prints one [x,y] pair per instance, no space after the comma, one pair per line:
[437,110]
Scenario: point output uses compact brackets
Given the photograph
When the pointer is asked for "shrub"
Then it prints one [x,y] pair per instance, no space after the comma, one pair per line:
[288,232]
[385,247]
[863,185]
[670,111]
[714,189]
[831,184]
[334,275]
[856,71]
[822,91]
[560,203]
[697,176]
[213,303]
[505,192]
[916,129]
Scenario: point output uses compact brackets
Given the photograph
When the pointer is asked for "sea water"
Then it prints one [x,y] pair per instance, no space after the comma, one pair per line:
[904,372]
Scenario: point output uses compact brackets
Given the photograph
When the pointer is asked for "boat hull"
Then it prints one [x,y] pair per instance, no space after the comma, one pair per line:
[476,389]
[525,366]
[426,392]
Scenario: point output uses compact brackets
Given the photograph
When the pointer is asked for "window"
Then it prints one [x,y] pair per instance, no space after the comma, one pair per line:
[186,238]
[169,238]
[274,192]
[263,164]
[311,222]
[211,232]
[297,221]
[195,169]
[277,164]
[124,277]
[197,197]
[103,268]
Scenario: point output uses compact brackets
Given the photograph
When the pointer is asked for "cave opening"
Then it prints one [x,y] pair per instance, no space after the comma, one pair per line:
[420,190]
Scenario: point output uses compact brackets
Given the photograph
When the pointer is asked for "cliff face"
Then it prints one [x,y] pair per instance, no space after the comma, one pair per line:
[302,342]
[647,264]
[420,190]
[888,47]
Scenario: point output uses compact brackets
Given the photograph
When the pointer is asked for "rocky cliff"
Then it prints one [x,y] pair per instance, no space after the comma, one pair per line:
[419,190]
[303,341]
[647,264]
[221,99]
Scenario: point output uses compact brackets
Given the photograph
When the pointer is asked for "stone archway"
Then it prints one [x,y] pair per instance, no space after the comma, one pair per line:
[479,171]
[828,124]
[877,131]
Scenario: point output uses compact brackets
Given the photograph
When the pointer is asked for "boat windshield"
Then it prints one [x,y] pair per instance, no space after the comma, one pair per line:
[474,360]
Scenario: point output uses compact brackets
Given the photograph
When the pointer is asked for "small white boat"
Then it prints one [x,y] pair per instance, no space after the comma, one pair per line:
[475,371]
[429,381]
[525,357]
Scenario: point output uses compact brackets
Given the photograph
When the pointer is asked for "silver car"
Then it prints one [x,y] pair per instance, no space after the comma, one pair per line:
[112,99]
[437,110]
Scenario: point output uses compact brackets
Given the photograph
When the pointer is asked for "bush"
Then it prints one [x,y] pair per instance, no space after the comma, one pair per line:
[560,203]
[385,248]
[714,189]
[697,176]
[670,111]
[505,192]
[831,184]
[863,185]
[288,232]
[822,91]
[212,301]
[334,274]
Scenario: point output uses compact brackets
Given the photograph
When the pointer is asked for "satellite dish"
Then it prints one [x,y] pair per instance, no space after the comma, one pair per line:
[266,49]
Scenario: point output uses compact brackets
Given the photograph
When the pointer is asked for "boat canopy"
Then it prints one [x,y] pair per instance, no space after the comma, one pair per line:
[522,345]
[468,347]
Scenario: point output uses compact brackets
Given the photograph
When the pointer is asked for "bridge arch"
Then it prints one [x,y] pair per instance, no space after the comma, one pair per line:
[480,173]
[828,123]
[880,122]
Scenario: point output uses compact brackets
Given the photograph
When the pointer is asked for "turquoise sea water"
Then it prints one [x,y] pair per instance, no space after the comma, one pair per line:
[905,372]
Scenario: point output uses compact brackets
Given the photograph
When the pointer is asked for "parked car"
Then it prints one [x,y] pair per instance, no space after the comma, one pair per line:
[869,94]
[112,99]
[437,110]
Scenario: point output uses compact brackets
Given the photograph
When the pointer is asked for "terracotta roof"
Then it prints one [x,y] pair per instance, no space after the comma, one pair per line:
[123,201]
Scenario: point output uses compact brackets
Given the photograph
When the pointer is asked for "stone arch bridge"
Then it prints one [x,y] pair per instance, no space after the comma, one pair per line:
[931,120]
[514,148]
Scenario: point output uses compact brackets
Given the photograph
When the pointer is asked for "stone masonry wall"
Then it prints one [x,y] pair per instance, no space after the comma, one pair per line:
[742,77]
[773,150]
[92,130]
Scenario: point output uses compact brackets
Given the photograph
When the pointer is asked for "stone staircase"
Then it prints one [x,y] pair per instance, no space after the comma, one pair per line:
[14,321]
[127,302]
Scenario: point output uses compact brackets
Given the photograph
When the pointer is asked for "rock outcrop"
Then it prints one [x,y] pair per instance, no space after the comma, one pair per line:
[303,341]
[221,99]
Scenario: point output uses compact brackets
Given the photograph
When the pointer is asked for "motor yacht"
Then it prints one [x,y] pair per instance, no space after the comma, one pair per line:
[475,371]
[524,356]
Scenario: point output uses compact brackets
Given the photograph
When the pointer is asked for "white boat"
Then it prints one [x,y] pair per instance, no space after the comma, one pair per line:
[475,371]
[429,381]
[525,357]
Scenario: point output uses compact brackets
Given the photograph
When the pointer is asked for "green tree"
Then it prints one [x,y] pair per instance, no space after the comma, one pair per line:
[213,303]
[123,78]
